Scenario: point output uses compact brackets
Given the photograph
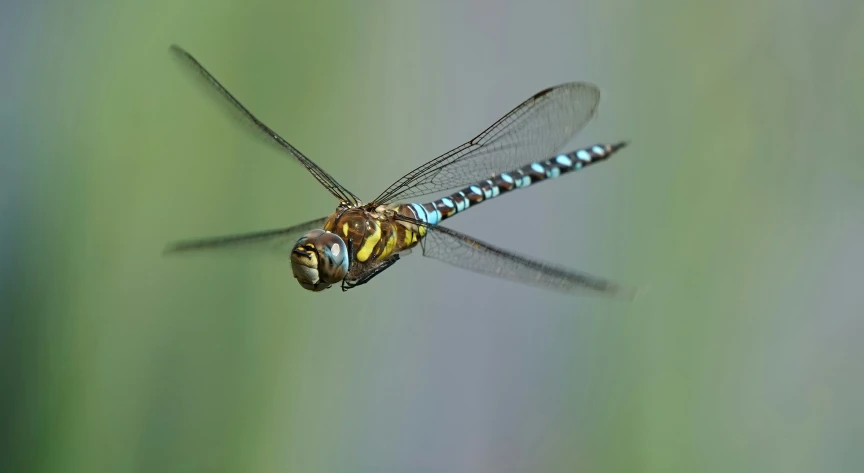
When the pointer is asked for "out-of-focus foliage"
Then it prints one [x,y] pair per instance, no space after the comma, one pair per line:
[737,209]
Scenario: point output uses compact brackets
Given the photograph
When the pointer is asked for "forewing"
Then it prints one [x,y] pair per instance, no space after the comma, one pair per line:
[533,131]
[277,240]
[339,191]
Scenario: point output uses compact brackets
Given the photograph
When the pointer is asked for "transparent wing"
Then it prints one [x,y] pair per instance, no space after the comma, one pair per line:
[281,239]
[533,131]
[339,191]
[466,252]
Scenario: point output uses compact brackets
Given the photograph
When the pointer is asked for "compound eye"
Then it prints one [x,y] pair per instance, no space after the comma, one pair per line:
[332,257]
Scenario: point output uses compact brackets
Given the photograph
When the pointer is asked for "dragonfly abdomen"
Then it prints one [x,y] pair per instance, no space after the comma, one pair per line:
[436,211]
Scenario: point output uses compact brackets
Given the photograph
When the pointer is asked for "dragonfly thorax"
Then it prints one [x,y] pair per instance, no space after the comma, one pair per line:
[319,259]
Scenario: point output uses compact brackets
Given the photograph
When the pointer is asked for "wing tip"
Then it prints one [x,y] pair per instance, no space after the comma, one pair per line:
[187,245]
[542,92]
[182,54]
[172,248]
[630,293]
[569,86]
[177,48]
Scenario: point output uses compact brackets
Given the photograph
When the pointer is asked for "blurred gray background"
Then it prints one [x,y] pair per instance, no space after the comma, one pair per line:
[737,210]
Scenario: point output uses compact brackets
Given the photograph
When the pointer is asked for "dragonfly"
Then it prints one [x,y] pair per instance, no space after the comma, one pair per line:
[359,241]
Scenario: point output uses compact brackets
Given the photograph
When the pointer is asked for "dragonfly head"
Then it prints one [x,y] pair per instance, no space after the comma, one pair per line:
[319,259]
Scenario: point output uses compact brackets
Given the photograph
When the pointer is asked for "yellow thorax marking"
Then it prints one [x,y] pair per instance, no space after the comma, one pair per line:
[345,228]
[391,244]
[369,243]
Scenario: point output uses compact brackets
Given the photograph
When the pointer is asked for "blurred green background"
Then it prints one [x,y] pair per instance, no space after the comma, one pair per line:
[737,209]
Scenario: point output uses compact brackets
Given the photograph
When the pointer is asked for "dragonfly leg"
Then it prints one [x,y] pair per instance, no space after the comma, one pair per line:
[369,274]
